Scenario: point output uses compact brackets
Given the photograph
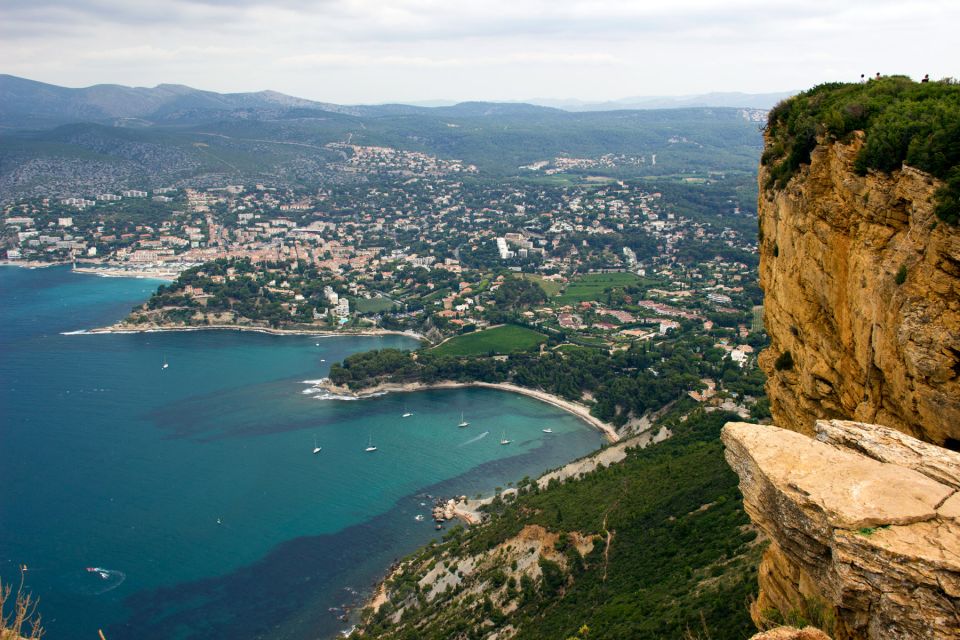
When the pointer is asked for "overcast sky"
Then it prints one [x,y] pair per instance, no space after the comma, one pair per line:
[370,51]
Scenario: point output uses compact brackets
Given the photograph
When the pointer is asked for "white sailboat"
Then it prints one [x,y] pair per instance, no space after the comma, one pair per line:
[165,364]
[316,449]
[503,438]
[547,430]
[370,448]
[463,423]
[406,412]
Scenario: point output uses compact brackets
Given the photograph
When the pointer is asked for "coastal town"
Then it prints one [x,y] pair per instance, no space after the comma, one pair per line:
[471,267]
[399,252]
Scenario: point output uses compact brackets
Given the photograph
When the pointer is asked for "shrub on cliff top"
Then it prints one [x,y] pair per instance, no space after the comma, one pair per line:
[903,122]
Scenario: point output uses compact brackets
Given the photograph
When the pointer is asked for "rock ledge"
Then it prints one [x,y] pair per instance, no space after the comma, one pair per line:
[864,524]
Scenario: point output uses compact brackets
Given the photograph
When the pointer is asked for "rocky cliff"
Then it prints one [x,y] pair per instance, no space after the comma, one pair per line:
[862,290]
[864,524]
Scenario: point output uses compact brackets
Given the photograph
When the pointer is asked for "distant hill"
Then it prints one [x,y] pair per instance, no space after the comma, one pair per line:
[716,99]
[57,141]
[30,104]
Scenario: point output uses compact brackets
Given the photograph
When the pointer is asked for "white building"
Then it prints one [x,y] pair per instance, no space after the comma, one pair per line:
[505,252]
[332,297]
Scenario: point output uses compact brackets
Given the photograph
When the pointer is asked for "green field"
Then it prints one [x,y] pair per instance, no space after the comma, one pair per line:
[550,287]
[591,286]
[371,305]
[506,339]
[757,323]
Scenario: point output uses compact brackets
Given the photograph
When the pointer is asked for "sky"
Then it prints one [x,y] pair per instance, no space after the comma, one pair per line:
[375,51]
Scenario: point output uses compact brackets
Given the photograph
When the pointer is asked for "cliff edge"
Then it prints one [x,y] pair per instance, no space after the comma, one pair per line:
[864,524]
[862,297]
[860,266]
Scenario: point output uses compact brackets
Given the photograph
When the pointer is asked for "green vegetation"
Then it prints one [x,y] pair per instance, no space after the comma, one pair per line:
[680,554]
[904,122]
[595,286]
[519,293]
[549,287]
[901,276]
[372,305]
[499,340]
[814,612]
[626,383]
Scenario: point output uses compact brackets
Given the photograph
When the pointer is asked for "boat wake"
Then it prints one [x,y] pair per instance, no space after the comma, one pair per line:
[79,332]
[472,440]
[113,580]
[96,581]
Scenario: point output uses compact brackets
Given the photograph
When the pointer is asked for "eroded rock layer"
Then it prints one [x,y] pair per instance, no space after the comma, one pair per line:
[862,288]
[864,524]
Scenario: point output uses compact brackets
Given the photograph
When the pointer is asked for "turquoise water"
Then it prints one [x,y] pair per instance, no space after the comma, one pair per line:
[108,460]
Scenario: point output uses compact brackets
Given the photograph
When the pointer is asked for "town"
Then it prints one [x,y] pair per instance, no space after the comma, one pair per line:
[423,248]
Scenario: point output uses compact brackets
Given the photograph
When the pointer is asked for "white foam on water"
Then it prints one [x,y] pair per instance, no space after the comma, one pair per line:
[332,396]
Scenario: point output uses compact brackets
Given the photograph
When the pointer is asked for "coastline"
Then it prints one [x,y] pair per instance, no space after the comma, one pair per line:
[577,409]
[116,272]
[104,272]
[157,328]
[469,511]
[30,264]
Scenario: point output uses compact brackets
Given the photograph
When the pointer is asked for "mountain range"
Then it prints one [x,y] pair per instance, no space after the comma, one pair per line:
[28,104]
[58,141]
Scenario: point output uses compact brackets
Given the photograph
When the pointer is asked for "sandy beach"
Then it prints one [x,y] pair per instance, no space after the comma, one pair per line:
[155,328]
[579,410]
[30,264]
[119,272]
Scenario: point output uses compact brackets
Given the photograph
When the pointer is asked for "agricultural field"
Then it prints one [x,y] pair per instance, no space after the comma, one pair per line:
[371,305]
[757,322]
[591,286]
[549,287]
[500,340]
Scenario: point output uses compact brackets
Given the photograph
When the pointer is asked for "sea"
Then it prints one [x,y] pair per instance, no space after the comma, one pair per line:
[186,501]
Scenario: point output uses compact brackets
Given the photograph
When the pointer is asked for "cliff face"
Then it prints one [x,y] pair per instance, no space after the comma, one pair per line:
[864,524]
[864,345]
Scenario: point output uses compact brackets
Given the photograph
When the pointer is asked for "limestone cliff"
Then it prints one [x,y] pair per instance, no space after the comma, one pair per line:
[864,524]
[862,288]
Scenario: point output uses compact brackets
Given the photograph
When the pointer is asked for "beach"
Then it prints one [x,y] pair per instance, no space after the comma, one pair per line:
[121,327]
[122,272]
[577,409]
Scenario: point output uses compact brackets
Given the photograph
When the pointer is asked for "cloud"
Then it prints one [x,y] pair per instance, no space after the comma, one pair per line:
[338,59]
[361,50]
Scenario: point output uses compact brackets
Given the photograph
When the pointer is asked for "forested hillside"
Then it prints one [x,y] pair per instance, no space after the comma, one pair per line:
[656,546]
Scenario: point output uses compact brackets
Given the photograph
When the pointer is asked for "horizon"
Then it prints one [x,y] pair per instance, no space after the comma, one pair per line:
[360,52]
[437,102]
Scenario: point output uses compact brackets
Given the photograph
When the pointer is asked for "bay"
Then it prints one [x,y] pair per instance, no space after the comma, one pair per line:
[195,487]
